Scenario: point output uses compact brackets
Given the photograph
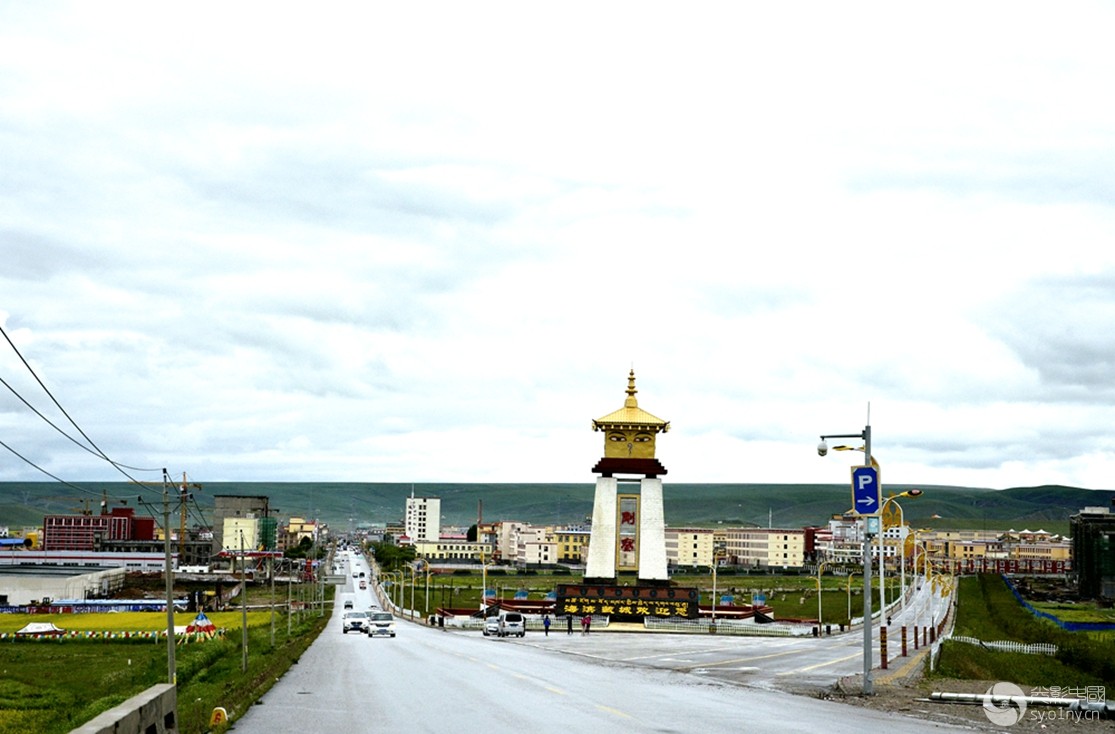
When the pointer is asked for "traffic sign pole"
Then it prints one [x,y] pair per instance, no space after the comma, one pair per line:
[871,494]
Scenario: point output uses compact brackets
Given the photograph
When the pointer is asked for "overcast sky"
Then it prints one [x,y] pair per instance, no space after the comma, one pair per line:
[415,242]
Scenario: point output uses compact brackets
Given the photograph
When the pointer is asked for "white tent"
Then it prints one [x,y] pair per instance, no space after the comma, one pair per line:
[40,628]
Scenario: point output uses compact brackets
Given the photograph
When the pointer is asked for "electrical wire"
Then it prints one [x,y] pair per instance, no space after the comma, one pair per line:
[97,449]
[53,425]
[44,471]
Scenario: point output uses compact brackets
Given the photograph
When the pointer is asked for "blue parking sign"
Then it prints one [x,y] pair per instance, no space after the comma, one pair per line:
[865,490]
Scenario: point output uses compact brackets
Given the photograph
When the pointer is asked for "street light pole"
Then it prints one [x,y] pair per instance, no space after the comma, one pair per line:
[243,609]
[820,570]
[822,449]
[714,591]
[886,522]
[850,577]
[171,666]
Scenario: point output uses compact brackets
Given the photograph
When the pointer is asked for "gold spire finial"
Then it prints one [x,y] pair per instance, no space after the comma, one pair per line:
[631,402]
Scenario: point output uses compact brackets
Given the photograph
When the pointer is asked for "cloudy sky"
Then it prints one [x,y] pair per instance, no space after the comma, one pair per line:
[426,242]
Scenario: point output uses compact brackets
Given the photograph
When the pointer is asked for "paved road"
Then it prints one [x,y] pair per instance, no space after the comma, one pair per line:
[429,680]
[799,664]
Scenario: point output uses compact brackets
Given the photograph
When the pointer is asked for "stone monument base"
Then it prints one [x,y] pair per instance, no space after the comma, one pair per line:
[626,603]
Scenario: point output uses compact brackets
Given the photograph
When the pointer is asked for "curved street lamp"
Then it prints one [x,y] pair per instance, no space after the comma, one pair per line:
[889,521]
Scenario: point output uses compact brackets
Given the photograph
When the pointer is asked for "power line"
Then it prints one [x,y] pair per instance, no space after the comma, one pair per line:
[50,423]
[44,471]
[98,452]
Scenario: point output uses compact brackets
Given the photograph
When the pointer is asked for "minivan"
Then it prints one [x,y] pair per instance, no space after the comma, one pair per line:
[512,623]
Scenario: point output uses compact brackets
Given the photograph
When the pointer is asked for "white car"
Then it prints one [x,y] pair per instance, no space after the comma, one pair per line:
[381,624]
[511,624]
[354,621]
[491,626]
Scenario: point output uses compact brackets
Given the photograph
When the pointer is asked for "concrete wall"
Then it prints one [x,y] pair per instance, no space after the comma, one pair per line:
[155,710]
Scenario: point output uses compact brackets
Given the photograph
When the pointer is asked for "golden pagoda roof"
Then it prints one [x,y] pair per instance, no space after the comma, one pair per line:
[630,415]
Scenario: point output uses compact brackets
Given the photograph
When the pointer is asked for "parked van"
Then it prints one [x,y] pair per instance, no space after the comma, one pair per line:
[512,623]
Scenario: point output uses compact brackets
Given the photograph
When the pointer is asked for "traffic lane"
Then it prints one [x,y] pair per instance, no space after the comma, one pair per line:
[765,662]
[317,692]
[430,680]
[648,698]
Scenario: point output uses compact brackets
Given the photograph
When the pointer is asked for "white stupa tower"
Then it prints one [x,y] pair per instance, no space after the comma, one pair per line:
[628,519]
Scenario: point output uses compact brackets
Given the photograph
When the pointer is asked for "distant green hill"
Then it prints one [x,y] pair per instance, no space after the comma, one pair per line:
[346,505]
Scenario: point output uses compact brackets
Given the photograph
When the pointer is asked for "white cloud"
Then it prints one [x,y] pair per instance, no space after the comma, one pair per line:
[403,244]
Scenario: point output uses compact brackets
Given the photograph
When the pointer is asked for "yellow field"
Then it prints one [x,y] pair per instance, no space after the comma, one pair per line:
[128,621]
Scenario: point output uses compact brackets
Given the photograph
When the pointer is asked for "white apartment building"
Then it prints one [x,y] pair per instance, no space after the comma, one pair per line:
[765,547]
[507,540]
[452,549]
[843,542]
[535,546]
[689,546]
[423,518]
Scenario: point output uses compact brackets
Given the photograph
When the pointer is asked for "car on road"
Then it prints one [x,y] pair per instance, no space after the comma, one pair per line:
[512,623]
[363,584]
[348,603]
[354,622]
[381,624]
[491,626]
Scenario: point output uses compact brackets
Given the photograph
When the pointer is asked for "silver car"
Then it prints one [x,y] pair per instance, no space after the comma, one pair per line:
[381,624]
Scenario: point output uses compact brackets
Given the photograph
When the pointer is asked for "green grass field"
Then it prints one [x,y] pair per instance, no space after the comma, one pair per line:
[50,686]
[988,611]
[128,621]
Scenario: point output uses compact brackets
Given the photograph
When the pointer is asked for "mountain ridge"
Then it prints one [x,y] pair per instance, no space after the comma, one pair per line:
[345,505]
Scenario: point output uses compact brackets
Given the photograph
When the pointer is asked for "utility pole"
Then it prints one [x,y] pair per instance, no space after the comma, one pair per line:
[244,610]
[168,572]
[183,497]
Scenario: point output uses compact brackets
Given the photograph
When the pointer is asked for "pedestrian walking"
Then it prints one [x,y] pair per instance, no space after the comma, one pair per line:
[568,624]
[546,624]
[584,625]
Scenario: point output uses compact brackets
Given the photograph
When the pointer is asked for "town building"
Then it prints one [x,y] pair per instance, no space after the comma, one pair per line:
[535,547]
[764,547]
[423,518]
[451,550]
[86,532]
[1093,547]
[689,547]
[227,506]
[572,544]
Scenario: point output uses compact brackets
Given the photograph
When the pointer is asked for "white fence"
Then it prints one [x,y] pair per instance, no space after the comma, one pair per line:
[1037,648]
